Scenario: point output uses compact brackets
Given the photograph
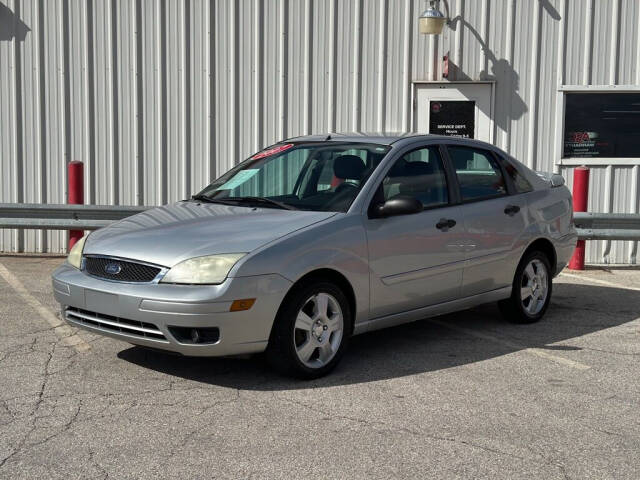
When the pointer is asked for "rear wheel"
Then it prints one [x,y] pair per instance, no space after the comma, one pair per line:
[310,334]
[531,291]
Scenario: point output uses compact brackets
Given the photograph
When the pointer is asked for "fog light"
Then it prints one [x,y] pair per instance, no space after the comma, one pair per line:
[243,304]
[195,335]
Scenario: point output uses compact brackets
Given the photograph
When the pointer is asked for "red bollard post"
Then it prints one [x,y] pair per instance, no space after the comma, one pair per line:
[75,177]
[580,200]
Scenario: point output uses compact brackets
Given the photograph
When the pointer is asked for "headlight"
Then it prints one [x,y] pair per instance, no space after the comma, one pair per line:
[203,270]
[75,255]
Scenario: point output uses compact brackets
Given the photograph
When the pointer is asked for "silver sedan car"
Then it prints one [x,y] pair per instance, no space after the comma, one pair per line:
[322,237]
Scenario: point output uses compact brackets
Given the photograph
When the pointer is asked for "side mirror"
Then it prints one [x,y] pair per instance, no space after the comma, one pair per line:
[397,206]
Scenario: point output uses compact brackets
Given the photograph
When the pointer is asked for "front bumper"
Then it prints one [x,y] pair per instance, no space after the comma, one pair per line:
[146,314]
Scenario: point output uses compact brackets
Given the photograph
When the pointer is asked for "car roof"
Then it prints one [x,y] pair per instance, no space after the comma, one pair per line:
[382,138]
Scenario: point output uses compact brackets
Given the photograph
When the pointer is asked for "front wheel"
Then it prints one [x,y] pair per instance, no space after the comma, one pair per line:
[310,333]
[531,291]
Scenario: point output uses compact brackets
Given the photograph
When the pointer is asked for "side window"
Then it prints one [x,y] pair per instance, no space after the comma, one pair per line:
[522,184]
[418,174]
[326,178]
[478,172]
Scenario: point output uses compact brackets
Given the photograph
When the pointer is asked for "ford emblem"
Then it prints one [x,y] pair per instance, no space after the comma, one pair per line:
[113,268]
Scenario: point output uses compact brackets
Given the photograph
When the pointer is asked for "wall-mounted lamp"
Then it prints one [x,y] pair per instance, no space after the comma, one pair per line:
[432,20]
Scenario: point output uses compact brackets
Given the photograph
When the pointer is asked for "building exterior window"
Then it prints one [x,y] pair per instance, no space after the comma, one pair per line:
[602,125]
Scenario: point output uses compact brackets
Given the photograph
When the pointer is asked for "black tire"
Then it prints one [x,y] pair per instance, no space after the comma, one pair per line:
[514,309]
[281,351]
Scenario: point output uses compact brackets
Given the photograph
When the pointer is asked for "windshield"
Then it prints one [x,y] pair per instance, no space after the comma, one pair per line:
[319,176]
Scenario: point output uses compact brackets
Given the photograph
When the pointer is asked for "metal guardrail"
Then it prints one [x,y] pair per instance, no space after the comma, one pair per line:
[62,217]
[590,226]
[607,226]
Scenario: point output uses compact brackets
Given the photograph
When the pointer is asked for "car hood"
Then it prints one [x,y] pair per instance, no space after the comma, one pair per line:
[170,234]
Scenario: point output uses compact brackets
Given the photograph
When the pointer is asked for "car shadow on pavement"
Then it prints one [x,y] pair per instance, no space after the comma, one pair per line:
[433,344]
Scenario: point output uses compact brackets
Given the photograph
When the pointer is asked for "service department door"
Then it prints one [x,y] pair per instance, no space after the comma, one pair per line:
[455,109]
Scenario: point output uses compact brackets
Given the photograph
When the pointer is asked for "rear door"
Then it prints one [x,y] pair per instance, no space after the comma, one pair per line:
[494,219]
[415,260]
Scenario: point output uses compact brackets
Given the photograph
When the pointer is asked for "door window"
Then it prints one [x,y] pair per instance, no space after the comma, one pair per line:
[478,172]
[419,174]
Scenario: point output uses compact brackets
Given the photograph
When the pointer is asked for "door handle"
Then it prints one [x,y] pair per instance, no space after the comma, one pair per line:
[511,210]
[446,224]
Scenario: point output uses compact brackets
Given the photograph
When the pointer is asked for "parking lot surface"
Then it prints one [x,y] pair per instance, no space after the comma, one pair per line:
[459,396]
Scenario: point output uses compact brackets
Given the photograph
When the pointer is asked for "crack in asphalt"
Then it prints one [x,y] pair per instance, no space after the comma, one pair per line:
[417,433]
[92,454]
[66,427]
[40,399]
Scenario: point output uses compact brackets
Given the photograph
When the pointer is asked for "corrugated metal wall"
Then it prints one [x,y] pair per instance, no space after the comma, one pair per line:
[158,97]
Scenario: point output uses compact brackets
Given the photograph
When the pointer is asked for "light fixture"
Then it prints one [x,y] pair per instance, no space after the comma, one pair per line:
[432,20]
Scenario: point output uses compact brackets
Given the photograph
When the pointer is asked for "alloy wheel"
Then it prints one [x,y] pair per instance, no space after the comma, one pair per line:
[534,288]
[319,328]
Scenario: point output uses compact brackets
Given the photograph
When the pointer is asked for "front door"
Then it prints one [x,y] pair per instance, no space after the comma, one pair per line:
[415,260]
[455,109]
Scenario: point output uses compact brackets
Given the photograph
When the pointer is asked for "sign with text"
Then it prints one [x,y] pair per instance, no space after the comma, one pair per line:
[600,124]
[453,118]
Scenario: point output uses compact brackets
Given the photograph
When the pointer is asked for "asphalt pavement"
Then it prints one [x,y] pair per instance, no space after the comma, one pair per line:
[464,395]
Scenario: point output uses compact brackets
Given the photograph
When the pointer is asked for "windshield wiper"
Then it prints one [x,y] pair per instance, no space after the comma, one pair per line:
[261,200]
[205,198]
[241,200]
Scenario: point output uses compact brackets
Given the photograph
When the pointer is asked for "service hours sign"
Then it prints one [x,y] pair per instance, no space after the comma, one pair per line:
[454,118]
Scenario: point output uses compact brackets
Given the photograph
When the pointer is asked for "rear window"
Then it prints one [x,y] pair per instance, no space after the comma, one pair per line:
[521,184]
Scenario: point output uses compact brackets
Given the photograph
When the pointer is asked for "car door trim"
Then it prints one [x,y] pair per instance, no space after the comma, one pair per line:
[423,272]
[490,257]
[446,267]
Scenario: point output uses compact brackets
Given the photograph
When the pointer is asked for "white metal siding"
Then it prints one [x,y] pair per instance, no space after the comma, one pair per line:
[159,97]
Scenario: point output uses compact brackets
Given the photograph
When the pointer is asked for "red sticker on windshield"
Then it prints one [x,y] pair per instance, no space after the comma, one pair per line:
[272,151]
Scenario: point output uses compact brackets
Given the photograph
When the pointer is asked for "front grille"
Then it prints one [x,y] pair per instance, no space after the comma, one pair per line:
[110,323]
[120,270]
